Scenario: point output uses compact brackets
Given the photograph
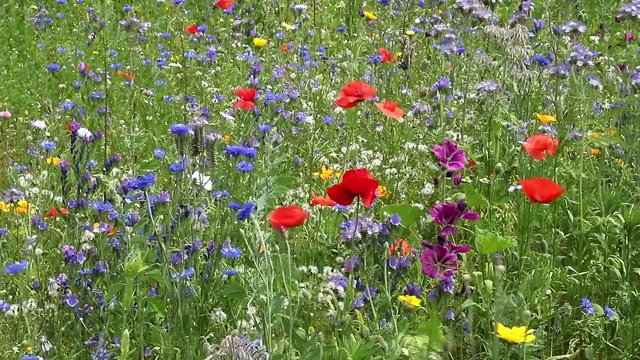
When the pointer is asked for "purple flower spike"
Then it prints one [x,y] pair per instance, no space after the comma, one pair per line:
[438,262]
[450,156]
[447,214]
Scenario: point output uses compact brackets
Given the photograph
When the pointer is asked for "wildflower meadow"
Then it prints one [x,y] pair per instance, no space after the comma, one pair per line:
[320,179]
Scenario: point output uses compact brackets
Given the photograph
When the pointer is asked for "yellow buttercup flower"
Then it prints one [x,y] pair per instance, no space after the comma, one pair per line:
[515,335]
[545,119]
[325,173]
[592,135]
[595,152]
[410,300]
[288,26]
[370,16]
[260,42]
[399,54]
[53,160]
[95,52]
[33,7]
[5,207]
[226,137]
[410,32]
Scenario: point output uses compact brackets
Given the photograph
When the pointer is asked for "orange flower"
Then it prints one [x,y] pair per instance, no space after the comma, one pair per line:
[285,48]
[321,200]
[595,152]
[400,247]
[390,109]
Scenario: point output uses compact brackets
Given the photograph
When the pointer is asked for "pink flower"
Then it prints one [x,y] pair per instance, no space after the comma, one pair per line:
[5,114]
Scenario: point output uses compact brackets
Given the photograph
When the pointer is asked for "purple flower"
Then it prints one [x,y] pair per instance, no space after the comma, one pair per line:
[412,289]
[450,156]
[180,129]
[395,219]
[71,300]
[609,313]
[438,262]
[447,214]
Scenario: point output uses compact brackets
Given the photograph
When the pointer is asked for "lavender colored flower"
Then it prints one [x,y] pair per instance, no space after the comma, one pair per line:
[450,156]
[395,219]
[412,289]
[571,27]
[438,262]
[447,214]
[562,70]
[581,56]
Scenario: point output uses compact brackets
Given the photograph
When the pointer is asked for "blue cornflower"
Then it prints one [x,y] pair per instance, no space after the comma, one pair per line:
[219,194]
[159,153]
[245,166]
[142,182]
[542,60]
[395,219]
[229,272]
[245,211]
[4,231]
[179,129]
[48,145]
[126,8]
[587,307]
[609,313]
[176,167]
[234,205]
[230,252]
[16,268]
[442,83]
[53,67]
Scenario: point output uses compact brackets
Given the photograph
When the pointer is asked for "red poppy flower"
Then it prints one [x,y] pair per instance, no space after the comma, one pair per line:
[321,200]
[401,247]
[354,183]
[287,217]
[191,29]
[246,99]
[390,109]
[541,190]
[53,212]
[355,92]
[127,74]
[386,55]
[471,163]
[225,4]
[537,146]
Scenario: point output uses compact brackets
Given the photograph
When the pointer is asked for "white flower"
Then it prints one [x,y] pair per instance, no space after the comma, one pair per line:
[202,180]
[84,133]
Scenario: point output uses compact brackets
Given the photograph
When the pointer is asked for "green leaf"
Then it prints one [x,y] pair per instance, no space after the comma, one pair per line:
[473,198]
[234,291]
[409,214]
[289,182]
[156,303]
[489,243]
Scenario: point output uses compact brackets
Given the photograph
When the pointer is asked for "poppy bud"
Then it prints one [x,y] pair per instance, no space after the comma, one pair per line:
[498,169]
[449,174]
[424,91]
[436,181]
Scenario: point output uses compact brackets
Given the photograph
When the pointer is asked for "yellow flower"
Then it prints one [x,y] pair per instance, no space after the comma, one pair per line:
[370,16]
[23,207]
[288,26]
[399,54]
[29,349]
[53,160]
[5,207]
[545,119]
[515,335]
[410,300]
[33,7]
[595,152]
[226,137]
[620,161]
[382,191]
[439,12]
[325,173]
[374,35]
[260,42]
[410,32]
[95,52]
